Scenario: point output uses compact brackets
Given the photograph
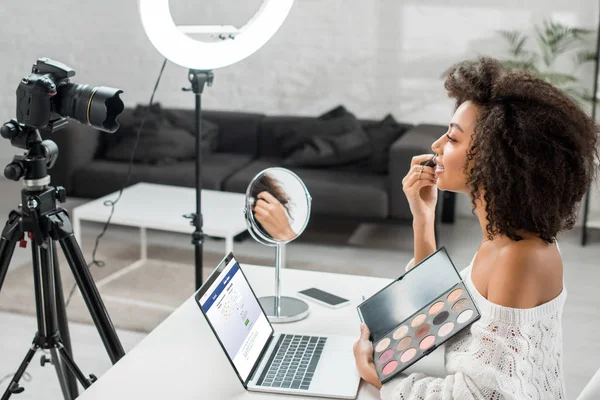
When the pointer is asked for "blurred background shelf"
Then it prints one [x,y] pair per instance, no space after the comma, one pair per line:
[593,220]
[589,219]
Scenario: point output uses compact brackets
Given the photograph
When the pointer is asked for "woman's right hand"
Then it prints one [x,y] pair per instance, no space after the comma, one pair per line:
[271,214]
[421,187]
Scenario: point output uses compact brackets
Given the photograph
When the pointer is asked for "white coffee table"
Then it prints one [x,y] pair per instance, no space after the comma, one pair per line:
[161,207]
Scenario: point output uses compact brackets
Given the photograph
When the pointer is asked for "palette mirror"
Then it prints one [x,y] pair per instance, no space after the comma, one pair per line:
[277,211]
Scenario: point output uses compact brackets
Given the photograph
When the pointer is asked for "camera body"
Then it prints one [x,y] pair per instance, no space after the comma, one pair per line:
[36,93]
[46,97]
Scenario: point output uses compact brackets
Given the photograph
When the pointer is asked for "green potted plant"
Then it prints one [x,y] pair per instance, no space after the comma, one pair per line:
[555,42]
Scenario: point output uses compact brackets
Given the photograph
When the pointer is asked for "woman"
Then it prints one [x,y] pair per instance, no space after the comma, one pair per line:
[524,152]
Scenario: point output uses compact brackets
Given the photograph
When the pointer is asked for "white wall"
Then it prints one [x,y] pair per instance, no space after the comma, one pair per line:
[374,57]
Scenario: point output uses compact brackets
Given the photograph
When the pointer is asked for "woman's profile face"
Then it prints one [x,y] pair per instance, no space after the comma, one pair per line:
[452,147]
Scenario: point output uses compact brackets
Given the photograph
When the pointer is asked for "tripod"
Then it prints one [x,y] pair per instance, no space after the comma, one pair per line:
[45,224]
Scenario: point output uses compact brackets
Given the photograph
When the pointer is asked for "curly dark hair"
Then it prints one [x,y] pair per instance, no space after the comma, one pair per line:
[532,151]
[266,183]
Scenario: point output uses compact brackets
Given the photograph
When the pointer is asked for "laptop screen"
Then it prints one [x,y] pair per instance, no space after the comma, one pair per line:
[236,316]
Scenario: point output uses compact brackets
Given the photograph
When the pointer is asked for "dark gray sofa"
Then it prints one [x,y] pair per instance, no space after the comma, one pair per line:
[248,143]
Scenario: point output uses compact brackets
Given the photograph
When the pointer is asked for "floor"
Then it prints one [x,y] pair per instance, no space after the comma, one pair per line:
[386,247]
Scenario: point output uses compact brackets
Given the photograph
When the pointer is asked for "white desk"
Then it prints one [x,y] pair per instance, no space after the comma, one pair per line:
[181,359]
[161,207]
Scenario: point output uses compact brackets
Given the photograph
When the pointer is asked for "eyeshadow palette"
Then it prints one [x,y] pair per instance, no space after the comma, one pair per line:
[416,313]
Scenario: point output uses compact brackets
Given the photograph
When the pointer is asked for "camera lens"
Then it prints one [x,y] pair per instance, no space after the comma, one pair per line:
[97,106]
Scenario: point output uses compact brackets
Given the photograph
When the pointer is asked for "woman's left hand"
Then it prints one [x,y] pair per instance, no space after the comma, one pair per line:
[363,355]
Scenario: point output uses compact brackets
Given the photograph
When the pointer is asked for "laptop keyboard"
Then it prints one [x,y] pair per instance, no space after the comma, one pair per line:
[293,362]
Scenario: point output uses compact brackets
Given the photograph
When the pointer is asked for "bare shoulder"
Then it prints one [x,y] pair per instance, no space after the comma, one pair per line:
[526,275]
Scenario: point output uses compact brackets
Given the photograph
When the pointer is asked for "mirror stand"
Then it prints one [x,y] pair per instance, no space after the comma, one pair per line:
[279,308]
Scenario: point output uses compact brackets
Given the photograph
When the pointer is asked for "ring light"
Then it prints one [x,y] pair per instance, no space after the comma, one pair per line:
[233,45]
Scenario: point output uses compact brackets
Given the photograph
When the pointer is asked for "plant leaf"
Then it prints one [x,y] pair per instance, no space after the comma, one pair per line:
[582,96]
[557,78]
[516,41]
[584,56]
[555,39]
[520,46]
[544,46]
[510,36]
[524,65]
[581,32]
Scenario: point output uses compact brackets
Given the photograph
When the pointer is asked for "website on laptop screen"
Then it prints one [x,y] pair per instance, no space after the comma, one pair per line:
[236,316]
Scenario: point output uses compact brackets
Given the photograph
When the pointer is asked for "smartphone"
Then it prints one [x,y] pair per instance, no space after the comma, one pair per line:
[323,298]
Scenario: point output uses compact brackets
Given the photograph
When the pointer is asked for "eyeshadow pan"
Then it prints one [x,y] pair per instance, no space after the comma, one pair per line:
[408,355]
[446,329]
[386,356]
[452,297]
[427,342]
[441,317]
[390,367]
[418,320]
[381,346]
[422,331]
[436,308]
[464,316]
[404,343]
[460,305]
[400,332]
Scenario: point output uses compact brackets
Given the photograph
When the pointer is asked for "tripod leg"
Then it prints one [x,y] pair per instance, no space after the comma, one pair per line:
[63,232]
[10,234]
[7,249]
[45,291]
[66,358]
[38,291]
[51,335]
[13,386]
[63,325]
[60,372]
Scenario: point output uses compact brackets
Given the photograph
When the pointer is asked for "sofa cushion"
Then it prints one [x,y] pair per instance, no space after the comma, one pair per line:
[282,135]
[210,131]
[334,192]
[333,147]
[238,131]
[102,177]
[381,135]
[335,112]
[165,137]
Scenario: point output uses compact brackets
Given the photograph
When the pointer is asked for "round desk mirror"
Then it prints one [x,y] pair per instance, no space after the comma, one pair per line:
[277,211]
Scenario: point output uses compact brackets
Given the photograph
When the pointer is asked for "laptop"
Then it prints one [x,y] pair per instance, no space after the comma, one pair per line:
[266,361]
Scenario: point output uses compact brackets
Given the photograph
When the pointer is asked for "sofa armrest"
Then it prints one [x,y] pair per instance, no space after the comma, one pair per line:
[77,146]
[415,141]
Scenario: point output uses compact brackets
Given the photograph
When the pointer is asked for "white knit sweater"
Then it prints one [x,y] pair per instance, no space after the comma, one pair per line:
[508,353]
